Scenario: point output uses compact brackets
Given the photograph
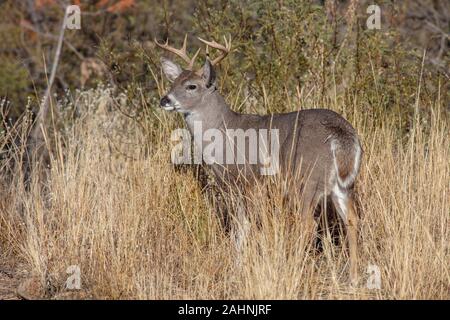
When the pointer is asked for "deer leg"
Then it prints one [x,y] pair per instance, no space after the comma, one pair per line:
[309,200]
[240,228]
[345,207]
[353,241]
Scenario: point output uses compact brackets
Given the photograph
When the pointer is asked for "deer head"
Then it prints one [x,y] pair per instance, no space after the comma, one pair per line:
[190,87]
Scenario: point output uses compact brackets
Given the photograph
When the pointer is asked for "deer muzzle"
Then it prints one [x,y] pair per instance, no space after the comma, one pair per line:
[165,102]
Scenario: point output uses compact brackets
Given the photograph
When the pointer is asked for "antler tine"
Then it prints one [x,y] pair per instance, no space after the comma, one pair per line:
[191,64]
[183,48]
[224,49]
[180,52]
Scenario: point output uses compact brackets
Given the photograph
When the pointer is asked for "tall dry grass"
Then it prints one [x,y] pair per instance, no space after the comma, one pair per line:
[115,206]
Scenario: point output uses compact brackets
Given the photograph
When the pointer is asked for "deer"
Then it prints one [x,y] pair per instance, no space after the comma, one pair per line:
[318,143]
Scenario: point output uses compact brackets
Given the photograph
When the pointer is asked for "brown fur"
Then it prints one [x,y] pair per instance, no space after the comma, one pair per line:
[315,147]
[346,161]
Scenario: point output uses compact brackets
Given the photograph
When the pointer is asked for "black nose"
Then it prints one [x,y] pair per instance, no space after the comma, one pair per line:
[164,101]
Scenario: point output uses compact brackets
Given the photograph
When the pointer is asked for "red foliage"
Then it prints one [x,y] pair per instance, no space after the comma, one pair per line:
[120,6]
[43,3]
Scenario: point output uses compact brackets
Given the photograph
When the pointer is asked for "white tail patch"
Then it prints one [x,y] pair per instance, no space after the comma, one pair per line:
[340,198]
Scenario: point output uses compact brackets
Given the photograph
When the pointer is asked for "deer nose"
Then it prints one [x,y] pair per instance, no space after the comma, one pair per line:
[164,101]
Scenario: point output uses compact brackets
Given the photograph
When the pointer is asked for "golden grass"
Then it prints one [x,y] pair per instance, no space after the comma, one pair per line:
[138,228]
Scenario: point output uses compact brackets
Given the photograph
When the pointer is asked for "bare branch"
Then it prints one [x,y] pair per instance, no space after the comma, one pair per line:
[36,135]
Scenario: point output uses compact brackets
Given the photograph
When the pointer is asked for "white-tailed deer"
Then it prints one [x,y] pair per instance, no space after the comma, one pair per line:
[318,149]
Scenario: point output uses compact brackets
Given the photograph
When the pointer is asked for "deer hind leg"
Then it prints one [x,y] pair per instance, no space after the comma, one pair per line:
[309,202]
[345,206]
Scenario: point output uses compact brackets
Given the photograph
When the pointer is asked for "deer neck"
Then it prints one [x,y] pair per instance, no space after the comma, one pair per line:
[213,113]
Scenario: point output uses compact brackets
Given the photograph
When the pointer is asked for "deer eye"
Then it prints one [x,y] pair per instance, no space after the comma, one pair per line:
[191,87]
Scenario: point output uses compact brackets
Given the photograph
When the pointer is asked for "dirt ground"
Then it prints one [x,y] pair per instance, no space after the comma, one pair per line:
[9,281]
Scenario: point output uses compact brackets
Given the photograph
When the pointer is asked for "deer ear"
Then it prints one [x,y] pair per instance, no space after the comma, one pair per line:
[209,75]
[170,69]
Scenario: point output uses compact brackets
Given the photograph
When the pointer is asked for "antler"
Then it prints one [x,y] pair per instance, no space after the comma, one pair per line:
[180,52]
[224,49]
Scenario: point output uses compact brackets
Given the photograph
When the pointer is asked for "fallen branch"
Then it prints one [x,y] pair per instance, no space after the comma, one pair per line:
[36,138]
